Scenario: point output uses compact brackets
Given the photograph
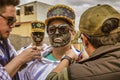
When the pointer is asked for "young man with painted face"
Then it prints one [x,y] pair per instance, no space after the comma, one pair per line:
[60,29]
[9,64]
[100,33]
[37,34]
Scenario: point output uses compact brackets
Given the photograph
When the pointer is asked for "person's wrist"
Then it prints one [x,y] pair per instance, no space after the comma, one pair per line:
[20,60]
[70,60]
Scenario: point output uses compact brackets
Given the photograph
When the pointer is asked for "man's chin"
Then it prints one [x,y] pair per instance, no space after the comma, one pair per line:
[38,42]
[58,45]
[5,37]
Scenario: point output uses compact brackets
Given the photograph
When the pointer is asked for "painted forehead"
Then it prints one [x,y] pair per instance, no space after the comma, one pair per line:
[58,21]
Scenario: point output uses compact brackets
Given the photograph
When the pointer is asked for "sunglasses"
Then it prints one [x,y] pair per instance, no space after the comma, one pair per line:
[37,33]
[10,20]
[62,28]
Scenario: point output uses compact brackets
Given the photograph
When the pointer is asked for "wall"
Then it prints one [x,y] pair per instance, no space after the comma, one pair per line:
[42,11]
[23,17]
[20,41]
[23,30]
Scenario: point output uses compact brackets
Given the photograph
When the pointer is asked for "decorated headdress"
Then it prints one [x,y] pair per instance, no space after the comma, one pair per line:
[62,12]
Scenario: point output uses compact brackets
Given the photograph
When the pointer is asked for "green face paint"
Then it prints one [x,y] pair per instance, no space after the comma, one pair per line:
[59,35]
[37,37]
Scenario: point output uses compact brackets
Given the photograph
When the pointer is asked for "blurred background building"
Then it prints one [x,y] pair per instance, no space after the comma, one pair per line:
[26,13]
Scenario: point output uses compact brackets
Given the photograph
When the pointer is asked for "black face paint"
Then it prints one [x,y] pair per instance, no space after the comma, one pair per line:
[37,37]
[59,35]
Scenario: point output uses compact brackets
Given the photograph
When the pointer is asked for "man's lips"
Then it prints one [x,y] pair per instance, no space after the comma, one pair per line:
[58,40]
[38,38]
[7,32]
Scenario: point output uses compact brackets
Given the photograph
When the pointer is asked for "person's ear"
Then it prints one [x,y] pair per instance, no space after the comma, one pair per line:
[31,34]
[73,33]
[85,40]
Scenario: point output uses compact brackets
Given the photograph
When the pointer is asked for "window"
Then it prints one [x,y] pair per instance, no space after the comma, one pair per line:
[28,10]
[18,12]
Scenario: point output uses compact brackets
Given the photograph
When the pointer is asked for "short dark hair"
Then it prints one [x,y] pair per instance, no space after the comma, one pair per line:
[108,38]
[4,3]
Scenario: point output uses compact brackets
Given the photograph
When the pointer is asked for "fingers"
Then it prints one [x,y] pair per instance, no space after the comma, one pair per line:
[34,47]
[37,53]
[30,54]
[37,48]
[37,57]
[40,48]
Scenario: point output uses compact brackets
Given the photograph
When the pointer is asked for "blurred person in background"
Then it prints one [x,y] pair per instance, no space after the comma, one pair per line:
[37,34]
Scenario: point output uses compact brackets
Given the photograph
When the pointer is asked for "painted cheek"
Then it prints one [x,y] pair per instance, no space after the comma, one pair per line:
[65,37]
[51,38]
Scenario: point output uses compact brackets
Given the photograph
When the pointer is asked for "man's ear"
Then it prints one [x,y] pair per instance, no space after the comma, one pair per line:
[85,40]
[31,34]
[73,33]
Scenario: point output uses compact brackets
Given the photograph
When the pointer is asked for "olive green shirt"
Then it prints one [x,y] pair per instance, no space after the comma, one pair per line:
[63,75]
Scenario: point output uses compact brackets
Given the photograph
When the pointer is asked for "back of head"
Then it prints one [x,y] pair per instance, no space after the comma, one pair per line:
[93,18]
[4,3]
[101,25]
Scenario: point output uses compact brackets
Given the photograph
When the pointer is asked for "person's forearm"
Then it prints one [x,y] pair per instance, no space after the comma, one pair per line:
[13,66]
[70,55]
[63,64]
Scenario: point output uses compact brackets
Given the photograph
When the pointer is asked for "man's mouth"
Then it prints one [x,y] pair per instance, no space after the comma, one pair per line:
[58,40]
[38,39]
[8,32]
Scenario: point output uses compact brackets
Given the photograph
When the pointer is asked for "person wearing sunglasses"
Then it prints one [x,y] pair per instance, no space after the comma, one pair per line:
[60,30]
[38,32]
[37,35]
[100,33]
[9,62]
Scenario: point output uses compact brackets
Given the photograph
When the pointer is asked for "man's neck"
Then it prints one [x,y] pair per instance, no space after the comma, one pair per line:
[36,44]
[59,52]
[90,49]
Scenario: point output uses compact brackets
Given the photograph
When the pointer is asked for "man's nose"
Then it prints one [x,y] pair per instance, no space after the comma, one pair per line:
[12,26]
[38,35]
[57,31]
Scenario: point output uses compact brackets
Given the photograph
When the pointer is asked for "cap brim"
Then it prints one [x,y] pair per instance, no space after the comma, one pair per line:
[38,30]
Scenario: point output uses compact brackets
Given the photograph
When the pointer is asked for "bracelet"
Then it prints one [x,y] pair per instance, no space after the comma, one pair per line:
[68,58]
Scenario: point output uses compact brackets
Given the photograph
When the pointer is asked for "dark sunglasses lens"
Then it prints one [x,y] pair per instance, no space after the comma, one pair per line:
[11,20]
[51,30]
[38,33]
[63,29]
[35,33]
